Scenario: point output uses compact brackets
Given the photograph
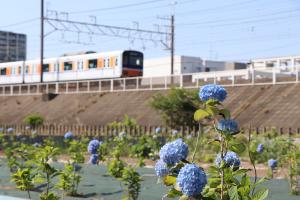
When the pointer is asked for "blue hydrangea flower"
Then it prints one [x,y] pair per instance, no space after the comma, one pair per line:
[191,179]
[228,125]
[231,159]
[93,159]
[68,135]
[173,152]
[93,146]
[212,91]
[161,168]
[36,144]
[1,129]
[122,134]
[272,163]
[9,130]
[77,167]
[260,148]
[174,132]
[157,130]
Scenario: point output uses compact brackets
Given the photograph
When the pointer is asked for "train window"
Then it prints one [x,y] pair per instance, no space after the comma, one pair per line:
[67,66]
[27,69]
[45,67]
[108,63]
[20,69]
[3,71]
[93,64]
[104,61]
[13,69]
[116,63]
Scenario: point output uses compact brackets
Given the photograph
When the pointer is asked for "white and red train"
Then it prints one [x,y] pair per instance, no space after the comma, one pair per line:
[90,65]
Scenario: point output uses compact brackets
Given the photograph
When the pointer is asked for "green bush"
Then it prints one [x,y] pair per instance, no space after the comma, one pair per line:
[34,120]
[177,108]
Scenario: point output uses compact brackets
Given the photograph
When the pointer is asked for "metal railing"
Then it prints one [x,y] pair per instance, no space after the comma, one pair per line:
[231,78]
[106,130]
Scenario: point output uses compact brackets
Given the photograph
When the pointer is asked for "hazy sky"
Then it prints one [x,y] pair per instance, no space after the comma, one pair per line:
[214,29]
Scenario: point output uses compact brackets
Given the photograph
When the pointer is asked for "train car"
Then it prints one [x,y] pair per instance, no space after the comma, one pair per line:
[86,66]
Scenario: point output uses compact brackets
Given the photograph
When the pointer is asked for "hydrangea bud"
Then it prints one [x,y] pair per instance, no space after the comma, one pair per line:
[260,148]
[231,159]
[68,135]
[272,163]
[93,146]
[157,130]
[93,159]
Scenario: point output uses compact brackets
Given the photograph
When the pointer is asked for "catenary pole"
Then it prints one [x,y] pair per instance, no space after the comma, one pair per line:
[42,40]
[172,44]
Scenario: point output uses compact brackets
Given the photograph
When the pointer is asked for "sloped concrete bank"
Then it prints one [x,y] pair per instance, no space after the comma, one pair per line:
[277,105]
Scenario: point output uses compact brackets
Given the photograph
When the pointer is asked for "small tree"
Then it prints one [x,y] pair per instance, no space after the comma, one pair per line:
[132,180]
[34,120]
[127,122]
[177,108]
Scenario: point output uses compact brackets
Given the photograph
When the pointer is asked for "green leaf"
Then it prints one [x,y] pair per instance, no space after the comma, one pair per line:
[212,110]
[241,171]
[183,197]
[172,193]
[233,193]
[200,114]
[212,170]
[245,181]
[212,102]
[260,181]
[238,147]
[169,180]
[261,194]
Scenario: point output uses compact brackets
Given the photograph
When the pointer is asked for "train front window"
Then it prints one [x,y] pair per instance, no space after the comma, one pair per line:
[133,59]
[93,64]
[3,71]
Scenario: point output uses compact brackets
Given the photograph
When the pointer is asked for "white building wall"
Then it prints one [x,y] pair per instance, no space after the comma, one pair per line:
[214,65]
[185,65]
[162,66]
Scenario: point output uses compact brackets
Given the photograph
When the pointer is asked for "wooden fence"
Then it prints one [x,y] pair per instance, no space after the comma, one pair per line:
[103,130]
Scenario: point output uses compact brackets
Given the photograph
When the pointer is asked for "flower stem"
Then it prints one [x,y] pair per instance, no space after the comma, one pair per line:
[222,169]
[197,142]
[28,192]
[252,162]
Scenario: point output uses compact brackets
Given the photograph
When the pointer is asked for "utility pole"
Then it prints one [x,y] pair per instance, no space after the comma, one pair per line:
[42,40]
[172,49]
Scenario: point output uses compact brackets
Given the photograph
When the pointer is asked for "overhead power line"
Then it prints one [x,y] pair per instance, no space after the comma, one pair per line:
[117,7]
[216,8]
[245,18]
[20,22]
